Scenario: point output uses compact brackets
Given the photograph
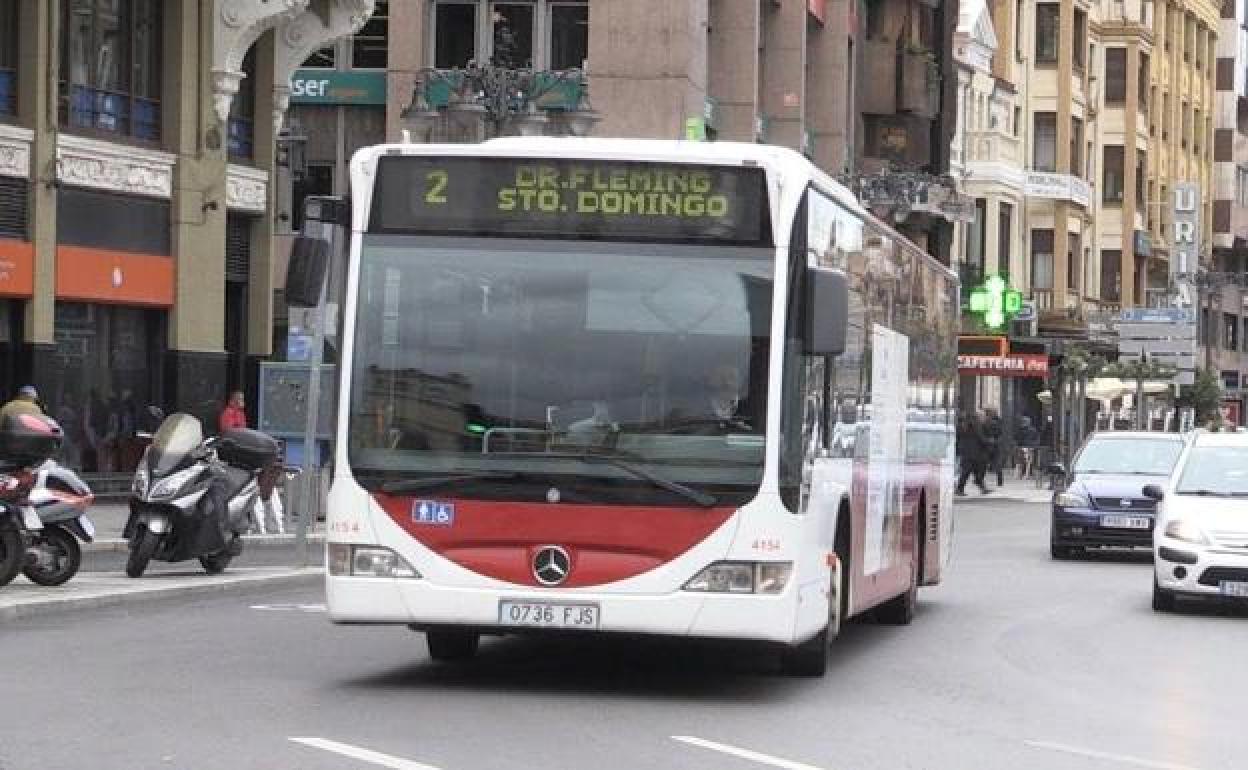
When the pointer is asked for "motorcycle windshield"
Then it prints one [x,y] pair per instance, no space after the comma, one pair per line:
[177,436]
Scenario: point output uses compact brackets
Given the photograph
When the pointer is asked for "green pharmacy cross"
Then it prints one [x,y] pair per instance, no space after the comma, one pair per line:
[995,302]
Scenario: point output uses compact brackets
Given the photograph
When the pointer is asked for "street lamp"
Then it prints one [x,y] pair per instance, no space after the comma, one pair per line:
[487,100]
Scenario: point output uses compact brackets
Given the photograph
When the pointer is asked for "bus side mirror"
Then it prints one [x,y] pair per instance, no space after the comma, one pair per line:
[827,312]
[305,273]
[1154,492]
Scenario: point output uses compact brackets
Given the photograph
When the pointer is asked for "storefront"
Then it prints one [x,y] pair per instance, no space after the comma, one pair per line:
[16,280]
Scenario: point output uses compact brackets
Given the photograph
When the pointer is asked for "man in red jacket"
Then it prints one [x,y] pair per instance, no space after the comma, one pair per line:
[233,415]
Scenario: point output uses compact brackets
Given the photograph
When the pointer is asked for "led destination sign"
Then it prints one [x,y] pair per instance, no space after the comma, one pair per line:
[570,199]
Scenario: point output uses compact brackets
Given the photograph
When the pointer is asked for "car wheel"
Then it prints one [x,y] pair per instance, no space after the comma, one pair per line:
[1163,600]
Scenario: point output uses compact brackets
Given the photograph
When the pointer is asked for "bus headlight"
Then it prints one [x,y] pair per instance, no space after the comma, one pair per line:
[368,561]
[742,577]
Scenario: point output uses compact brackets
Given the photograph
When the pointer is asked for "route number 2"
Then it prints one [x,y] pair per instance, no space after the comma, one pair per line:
[437,187]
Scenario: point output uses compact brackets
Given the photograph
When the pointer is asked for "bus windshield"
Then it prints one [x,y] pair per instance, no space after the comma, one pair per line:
[514,359]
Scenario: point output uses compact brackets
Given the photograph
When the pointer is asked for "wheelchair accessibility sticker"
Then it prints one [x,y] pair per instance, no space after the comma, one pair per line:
[433,512]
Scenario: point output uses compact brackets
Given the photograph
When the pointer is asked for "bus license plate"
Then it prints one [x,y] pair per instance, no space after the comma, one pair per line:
[1236,588]
[548,615]
[1126,522]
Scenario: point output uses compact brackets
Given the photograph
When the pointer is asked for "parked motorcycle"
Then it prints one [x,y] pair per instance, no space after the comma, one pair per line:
[43,504]
[192,497]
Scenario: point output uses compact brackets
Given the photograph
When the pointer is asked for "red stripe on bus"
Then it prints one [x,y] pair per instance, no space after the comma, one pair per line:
[606,543]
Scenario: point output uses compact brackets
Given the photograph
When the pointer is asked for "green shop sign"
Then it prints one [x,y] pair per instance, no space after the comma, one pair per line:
[313,86]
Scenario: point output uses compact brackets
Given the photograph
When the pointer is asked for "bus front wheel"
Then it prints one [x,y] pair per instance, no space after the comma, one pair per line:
[452,645]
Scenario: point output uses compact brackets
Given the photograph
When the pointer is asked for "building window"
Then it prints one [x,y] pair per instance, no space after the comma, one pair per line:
[1185,133]
[111,58]
[1079,55]
[1112,170]
[1046,32]
[455,32]
[369,45]
[1165,117]
[569,35]
[1005,236]
[1152,122]
[1044,157]
[976,234]
[509,31]
[1241,186]
[1141,174]
[1230,332]
[1018,121]
[1076,145]
[242,122]
[8,56]
[1115,75]
[1111,275]
[1042,259]
[1142,82]
[1073,255]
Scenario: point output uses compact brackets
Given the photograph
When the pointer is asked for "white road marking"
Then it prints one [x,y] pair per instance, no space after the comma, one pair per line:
[364,755]
[289,607]
[735,751]
[1121,758]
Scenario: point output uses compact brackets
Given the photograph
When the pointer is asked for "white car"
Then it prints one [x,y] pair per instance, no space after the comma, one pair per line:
[1200,542]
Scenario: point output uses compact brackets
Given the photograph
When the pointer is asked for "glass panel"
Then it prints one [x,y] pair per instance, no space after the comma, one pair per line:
[1045,157]
[1111,275]
[455,34]
[1147,456]
[569,36]
[1042,259]
[517,359]
[1115,74]
[146,49]
[512,25]
[318,180]
[1113,171]
[1046,32]
[368,47]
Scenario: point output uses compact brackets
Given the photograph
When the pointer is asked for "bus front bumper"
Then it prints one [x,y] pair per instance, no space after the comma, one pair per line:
[422,604]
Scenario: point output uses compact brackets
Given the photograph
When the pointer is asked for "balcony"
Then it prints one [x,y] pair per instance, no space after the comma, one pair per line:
[991,156]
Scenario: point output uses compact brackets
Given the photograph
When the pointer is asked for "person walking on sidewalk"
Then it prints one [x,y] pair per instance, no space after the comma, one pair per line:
[972,452]
[234,415]
[994,433]
[25,402]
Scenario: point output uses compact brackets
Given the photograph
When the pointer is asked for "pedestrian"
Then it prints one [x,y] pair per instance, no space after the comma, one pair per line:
[972,453]
[25,402]
[994,432]
[1028,443]
[234,415]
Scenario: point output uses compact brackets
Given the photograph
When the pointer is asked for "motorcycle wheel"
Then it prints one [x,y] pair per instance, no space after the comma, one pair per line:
[215,564]
[142,548]
[68,558]
[12,554]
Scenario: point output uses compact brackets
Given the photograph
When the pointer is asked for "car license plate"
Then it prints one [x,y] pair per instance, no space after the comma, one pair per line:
[1126,522]
[1234,588]
[548,615]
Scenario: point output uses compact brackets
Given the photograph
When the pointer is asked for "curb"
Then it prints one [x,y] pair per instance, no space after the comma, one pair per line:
[231,584]
[117,544]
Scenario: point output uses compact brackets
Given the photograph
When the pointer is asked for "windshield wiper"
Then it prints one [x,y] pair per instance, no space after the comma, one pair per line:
[1203,493]
[701,498]
[399,486]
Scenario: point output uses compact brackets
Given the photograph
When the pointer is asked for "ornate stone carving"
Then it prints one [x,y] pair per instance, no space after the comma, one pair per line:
[14,151]
[299,36]
[246,188]
[238,24]
[118,168]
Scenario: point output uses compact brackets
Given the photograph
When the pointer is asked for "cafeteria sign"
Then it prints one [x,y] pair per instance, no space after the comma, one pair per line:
[313,86]
[1009,365]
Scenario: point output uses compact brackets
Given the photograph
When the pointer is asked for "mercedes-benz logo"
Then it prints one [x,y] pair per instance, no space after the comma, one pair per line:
[551,565]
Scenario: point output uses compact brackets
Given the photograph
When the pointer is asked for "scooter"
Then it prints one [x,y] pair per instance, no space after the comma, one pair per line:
[60,498]
[192,497]
[42,504]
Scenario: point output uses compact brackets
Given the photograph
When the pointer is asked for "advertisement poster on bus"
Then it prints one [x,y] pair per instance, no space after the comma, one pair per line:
[890,376]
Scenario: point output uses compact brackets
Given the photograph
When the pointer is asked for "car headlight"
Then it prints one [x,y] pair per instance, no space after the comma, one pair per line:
[742,577]
[1071,500]
[141,478]
[172,484]
[1186,531]
[368,561]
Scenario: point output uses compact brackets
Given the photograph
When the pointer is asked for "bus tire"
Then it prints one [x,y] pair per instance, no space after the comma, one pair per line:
[810,659]
[452,645]
[900,610]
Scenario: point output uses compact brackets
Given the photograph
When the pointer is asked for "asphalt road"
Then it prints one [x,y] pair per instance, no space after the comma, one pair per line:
[1015,662]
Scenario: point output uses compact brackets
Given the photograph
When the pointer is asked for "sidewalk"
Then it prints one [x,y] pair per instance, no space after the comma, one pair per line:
[110,519]
[22,599]
[1014,491]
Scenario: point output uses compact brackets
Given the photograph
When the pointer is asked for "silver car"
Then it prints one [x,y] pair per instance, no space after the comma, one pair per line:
[1200,542]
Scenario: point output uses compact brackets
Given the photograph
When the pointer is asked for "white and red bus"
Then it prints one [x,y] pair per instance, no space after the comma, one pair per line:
[645,387]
